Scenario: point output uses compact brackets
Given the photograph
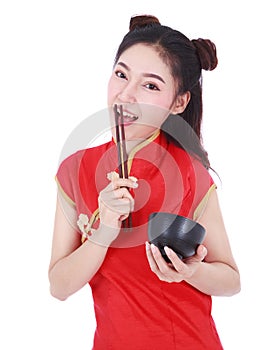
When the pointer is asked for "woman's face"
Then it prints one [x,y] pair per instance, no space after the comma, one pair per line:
[142,83]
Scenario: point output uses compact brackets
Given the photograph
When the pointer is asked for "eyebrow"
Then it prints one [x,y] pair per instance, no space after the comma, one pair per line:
[147,75]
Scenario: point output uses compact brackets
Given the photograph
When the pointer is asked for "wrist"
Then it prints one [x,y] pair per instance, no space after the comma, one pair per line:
[195,272]
[104,235]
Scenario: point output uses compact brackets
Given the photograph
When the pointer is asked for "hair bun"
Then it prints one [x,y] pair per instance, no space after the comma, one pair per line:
[142,21]
[207,53]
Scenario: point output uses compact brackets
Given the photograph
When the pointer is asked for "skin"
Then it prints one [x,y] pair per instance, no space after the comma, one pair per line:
[143,84]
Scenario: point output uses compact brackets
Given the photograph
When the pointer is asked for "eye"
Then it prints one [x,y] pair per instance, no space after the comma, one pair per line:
[151,86]
[120,74]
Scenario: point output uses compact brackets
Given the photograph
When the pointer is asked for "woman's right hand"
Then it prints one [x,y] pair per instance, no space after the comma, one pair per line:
[116,202]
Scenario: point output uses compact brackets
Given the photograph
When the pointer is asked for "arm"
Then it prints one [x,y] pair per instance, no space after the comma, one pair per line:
[212,270]
[72,265]
[218,274]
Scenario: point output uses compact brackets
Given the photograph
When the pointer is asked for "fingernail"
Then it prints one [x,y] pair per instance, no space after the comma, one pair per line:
[135,185]
[147,246]
[204,252]
[167,250]
[153,247]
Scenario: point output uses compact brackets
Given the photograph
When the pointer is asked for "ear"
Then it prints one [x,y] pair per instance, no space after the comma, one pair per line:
[180,103]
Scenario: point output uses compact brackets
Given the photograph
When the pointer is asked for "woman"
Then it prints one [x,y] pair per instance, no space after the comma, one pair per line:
[141,301]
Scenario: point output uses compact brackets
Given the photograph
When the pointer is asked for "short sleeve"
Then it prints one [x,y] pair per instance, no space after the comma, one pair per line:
[67,177]
[204,185]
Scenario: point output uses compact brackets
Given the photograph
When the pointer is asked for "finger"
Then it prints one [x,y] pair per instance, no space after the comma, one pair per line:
[117,192]
[124,199]
[122,192]
[162,265]
[150,257]
[123,217]
[169,274]
[177,263]
[201,253]
[119,200]
[121,206]
[117,183]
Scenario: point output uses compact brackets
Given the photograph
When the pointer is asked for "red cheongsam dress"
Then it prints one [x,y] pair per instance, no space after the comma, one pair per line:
[135,310]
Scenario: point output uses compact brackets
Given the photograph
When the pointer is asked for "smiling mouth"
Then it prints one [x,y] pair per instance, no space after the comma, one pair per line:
[127,117]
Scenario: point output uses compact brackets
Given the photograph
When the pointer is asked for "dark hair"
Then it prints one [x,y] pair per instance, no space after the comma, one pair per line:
[186,59]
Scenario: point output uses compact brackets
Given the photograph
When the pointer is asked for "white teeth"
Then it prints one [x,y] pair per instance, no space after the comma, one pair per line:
[125,115]
[129,116]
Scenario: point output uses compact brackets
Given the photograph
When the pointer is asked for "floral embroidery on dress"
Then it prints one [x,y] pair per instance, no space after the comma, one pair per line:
[84,223]
[113,175]
[84,226]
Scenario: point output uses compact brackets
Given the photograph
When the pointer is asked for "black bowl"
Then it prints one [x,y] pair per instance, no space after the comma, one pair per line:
[179,233]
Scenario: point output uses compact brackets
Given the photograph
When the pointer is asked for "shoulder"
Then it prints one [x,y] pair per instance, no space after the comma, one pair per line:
[197,178]
[74,160]
[72,168]
[188,161]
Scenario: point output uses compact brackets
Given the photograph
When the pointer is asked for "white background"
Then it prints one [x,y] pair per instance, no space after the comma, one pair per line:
[56,57]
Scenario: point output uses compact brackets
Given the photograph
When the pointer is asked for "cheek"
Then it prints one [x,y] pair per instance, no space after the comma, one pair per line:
[165,102]
[154,115]
[161,101]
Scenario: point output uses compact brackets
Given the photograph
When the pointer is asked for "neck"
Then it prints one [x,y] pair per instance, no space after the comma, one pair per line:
[131,145]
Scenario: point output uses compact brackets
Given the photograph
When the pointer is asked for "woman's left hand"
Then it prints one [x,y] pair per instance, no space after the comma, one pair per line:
[177,270]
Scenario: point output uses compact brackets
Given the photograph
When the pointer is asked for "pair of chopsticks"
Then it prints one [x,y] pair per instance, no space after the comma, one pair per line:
[121,152]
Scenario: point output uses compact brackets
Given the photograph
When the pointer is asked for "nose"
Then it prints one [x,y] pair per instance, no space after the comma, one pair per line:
[128,94]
